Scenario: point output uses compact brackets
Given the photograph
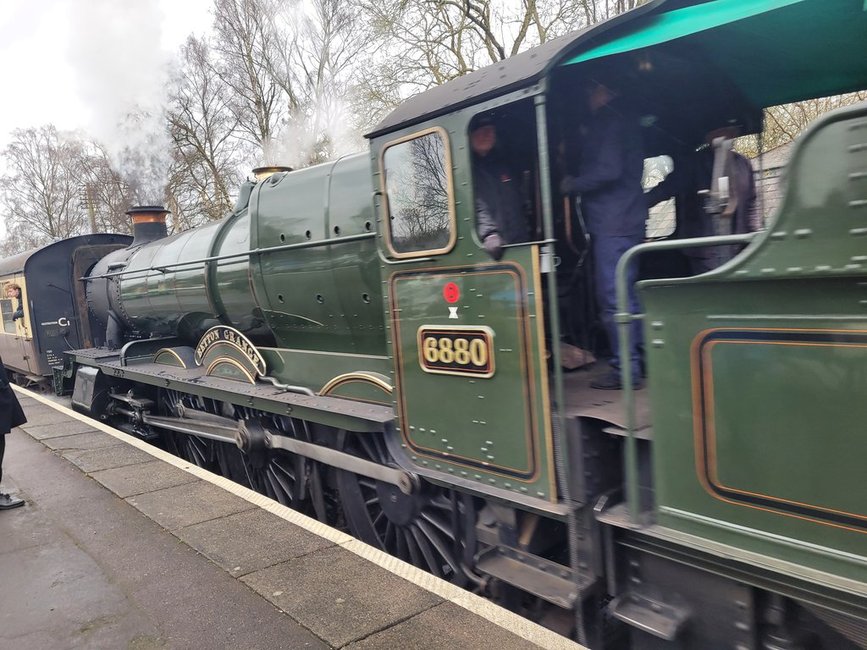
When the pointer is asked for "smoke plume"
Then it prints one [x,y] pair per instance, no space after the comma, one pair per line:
[122,73]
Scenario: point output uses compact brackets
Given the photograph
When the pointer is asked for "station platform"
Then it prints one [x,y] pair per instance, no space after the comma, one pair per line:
[122,545]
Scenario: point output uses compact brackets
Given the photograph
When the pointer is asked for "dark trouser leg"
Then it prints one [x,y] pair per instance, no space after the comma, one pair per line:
[607,251]
[2,451]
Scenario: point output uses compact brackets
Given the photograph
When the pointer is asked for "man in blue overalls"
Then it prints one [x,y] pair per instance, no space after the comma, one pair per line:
[615,211]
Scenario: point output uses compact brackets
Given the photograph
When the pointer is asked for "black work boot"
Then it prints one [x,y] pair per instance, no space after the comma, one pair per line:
[7,502]
[611,381]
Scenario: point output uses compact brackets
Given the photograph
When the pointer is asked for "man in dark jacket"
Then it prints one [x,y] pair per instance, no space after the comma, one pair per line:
[612,201]
[11,415]
[13,292]
[500,217]
[691,181]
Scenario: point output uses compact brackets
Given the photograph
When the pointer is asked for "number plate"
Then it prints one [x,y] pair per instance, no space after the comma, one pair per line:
[456,350]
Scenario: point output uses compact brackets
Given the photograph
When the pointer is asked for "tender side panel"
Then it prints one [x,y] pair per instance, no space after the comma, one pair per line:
[758,373]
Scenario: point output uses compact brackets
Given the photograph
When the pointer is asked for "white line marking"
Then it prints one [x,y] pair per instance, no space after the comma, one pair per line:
[477,605]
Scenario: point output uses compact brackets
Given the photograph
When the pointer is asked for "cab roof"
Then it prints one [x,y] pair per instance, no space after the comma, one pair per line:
[772,51]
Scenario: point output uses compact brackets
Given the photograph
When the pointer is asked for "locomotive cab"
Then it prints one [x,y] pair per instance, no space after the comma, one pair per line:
[492,332]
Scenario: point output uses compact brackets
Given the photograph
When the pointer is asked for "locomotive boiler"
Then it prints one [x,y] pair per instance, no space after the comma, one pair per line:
[343,343]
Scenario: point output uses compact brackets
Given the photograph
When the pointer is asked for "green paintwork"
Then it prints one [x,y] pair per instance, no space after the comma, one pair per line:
[324,298]
[493,431]
[780,428]
[783,332]
[808,48]
[668,26]
[313,369]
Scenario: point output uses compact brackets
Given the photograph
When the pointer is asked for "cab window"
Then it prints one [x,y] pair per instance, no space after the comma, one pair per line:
[418,188]
[661,220]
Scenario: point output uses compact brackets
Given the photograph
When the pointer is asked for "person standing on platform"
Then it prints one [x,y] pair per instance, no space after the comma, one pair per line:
[608,181]
[11,415]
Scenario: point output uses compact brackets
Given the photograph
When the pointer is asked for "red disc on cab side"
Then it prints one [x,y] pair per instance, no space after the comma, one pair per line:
[451,293]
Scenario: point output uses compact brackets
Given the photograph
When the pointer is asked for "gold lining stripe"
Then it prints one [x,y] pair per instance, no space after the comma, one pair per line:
[171,352]
[531,439]
[708,482]
[222,360]
[362,376]
[453,220]
[543,378]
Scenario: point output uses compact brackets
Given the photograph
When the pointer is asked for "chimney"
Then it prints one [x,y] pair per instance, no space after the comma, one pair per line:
[261,173]
[148,223]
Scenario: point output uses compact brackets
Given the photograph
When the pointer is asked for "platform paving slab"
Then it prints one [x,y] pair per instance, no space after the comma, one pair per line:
[133,480]
[83,569]
[56,430]
[339,596]
[251,540]
[82,441]
[184,505]
[324,590]
[444,626]
[42,414]
[94,460]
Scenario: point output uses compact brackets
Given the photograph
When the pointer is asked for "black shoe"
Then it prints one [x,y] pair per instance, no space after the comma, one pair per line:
[611,381]
[7,502]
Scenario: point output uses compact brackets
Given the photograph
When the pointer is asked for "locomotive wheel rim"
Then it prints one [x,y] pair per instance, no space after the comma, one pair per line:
[277,478]
[417,529]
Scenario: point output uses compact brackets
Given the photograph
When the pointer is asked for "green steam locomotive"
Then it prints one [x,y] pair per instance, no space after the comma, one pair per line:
[343,342]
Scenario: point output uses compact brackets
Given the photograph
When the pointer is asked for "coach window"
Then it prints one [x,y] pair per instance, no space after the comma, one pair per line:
[418,186]
[7,310]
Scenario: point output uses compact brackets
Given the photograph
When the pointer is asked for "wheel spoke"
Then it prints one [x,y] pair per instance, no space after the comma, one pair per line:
[441,548]
[280,490]
[415,558]
[444,530]
[286,486]
[426,550]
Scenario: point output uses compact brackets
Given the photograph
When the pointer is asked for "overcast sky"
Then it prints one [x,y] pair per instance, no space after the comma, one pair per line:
[47,48]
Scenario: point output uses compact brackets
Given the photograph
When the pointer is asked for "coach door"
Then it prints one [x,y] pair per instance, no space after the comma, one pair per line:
[466,332]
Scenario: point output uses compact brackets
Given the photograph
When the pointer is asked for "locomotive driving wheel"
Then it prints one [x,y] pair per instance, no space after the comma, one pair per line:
[422,528]
[276,473]
[198,451]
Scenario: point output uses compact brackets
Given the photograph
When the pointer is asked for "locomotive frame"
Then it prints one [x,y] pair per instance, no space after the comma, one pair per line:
[285,347]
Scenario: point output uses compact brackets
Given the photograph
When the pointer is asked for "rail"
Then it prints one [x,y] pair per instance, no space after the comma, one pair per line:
[256,251]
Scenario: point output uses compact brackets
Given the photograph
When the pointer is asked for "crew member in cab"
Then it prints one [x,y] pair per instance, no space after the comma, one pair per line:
[499,204]
[691,182]
[608,182]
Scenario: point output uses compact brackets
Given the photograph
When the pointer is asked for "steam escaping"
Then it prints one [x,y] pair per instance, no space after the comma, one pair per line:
[323,132]
[122,74]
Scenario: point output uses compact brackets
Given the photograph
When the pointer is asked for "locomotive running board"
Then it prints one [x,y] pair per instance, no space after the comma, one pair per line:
[331,411]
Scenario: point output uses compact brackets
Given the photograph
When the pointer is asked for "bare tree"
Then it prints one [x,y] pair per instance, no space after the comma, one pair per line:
[247,46]
[429,42]
[330,43]
[209,148]
[40,190]
[785,122]
[103,194]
